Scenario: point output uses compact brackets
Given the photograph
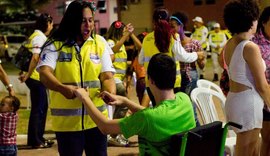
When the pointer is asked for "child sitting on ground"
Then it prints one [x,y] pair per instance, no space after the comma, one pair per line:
[8,122]
[172,114]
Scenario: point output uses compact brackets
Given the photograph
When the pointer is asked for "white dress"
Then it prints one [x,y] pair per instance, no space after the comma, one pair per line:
[246,107]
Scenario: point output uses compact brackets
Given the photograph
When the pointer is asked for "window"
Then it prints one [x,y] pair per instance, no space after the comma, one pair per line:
[101,6]
[210,1]
[197,2]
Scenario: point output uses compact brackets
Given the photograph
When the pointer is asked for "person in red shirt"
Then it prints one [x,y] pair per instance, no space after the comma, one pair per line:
[8,122]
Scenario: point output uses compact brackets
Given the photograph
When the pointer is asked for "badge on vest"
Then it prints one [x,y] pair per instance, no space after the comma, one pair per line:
[65,57]
[95,58]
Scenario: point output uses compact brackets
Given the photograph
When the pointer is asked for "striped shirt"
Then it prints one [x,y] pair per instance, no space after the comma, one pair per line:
[8,122]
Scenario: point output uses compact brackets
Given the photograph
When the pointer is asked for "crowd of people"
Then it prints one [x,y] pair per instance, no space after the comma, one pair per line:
[88,78]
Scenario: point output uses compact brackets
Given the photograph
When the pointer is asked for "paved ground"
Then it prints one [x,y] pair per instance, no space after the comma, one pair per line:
[112,151]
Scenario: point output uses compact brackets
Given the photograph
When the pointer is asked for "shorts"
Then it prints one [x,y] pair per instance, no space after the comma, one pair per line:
[245,108]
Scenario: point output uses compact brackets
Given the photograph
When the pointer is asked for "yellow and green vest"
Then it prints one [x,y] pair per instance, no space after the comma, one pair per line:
[198,35]
[67,113]
[29,45]
[217,38]
[120,62]
[150,49]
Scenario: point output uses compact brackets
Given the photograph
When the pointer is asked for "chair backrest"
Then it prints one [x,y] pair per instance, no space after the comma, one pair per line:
[210,85]
[202,140]
[205,100]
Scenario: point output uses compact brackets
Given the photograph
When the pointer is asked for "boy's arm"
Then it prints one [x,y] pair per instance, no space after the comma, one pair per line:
[112,99]
[105,125]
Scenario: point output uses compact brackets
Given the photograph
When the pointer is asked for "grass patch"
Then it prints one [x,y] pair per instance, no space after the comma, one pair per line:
[24,115]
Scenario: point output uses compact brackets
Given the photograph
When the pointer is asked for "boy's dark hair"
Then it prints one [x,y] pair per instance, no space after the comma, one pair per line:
[162,70]
[42,22]
[239,15]
[15,102]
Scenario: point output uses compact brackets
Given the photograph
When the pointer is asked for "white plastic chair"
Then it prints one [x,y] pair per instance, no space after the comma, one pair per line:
[210,85]
[206,101]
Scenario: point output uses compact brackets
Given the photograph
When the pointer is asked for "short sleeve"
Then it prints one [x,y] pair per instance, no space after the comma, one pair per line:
[135,124]
[48,57]
[37,43]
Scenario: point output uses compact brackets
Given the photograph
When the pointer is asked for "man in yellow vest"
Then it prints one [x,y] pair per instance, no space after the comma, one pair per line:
[200,34]
[217,40]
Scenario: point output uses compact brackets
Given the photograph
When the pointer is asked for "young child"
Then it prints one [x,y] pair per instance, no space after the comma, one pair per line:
[8,122]
[172,114]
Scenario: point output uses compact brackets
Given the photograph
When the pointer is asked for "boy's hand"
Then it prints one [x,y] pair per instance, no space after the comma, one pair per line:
[111,99]
[81,93]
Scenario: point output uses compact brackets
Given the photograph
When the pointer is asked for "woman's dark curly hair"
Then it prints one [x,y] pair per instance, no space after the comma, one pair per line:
[239,15]
[265,15]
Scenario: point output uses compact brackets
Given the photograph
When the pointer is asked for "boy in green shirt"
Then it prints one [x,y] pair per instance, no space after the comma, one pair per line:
[172,114]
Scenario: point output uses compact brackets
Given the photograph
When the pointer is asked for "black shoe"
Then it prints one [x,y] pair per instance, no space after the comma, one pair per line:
[201,77]
[44,145]
[215,77]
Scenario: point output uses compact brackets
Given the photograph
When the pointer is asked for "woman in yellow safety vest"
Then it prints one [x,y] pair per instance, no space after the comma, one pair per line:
[38,94]
[74,57]
[164,40]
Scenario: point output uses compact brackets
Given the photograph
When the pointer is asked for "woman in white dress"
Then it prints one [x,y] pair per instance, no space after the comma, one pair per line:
[249,89]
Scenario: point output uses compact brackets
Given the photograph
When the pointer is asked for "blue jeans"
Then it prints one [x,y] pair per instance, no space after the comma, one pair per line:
[8,150]
[73,143]
[38,114]
[188,85]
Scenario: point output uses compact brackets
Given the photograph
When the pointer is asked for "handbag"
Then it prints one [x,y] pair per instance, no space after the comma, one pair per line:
[224,82]
[224,79]
[23,58]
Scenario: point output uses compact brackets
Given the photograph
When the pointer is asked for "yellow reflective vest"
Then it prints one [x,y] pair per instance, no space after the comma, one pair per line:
[218,39]
[67,114]
[29,45]
[150,49]
[198,34]
[120,62]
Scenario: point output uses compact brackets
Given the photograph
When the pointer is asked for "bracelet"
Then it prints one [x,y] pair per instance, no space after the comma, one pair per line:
[9,86]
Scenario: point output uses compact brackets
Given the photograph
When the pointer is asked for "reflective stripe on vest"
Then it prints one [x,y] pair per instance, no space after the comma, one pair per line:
[90,84]
[74,112]
[120,60]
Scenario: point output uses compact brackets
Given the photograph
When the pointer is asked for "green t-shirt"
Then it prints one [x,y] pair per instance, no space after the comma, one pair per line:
[159,123]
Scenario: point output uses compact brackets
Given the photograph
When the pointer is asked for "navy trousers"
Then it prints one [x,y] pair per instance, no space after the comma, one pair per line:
[38,113]
[73,143]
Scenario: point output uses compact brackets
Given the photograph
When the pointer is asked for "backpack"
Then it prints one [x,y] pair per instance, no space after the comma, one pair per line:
[23,58]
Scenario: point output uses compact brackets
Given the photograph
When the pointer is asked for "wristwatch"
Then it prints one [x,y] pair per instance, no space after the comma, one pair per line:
[9,86]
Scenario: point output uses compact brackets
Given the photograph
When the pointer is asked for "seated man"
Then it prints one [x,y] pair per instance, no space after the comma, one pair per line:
[172,114]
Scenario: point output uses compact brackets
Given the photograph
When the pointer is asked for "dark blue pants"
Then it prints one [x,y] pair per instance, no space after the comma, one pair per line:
[8,150]
[73,143]
[38,114]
